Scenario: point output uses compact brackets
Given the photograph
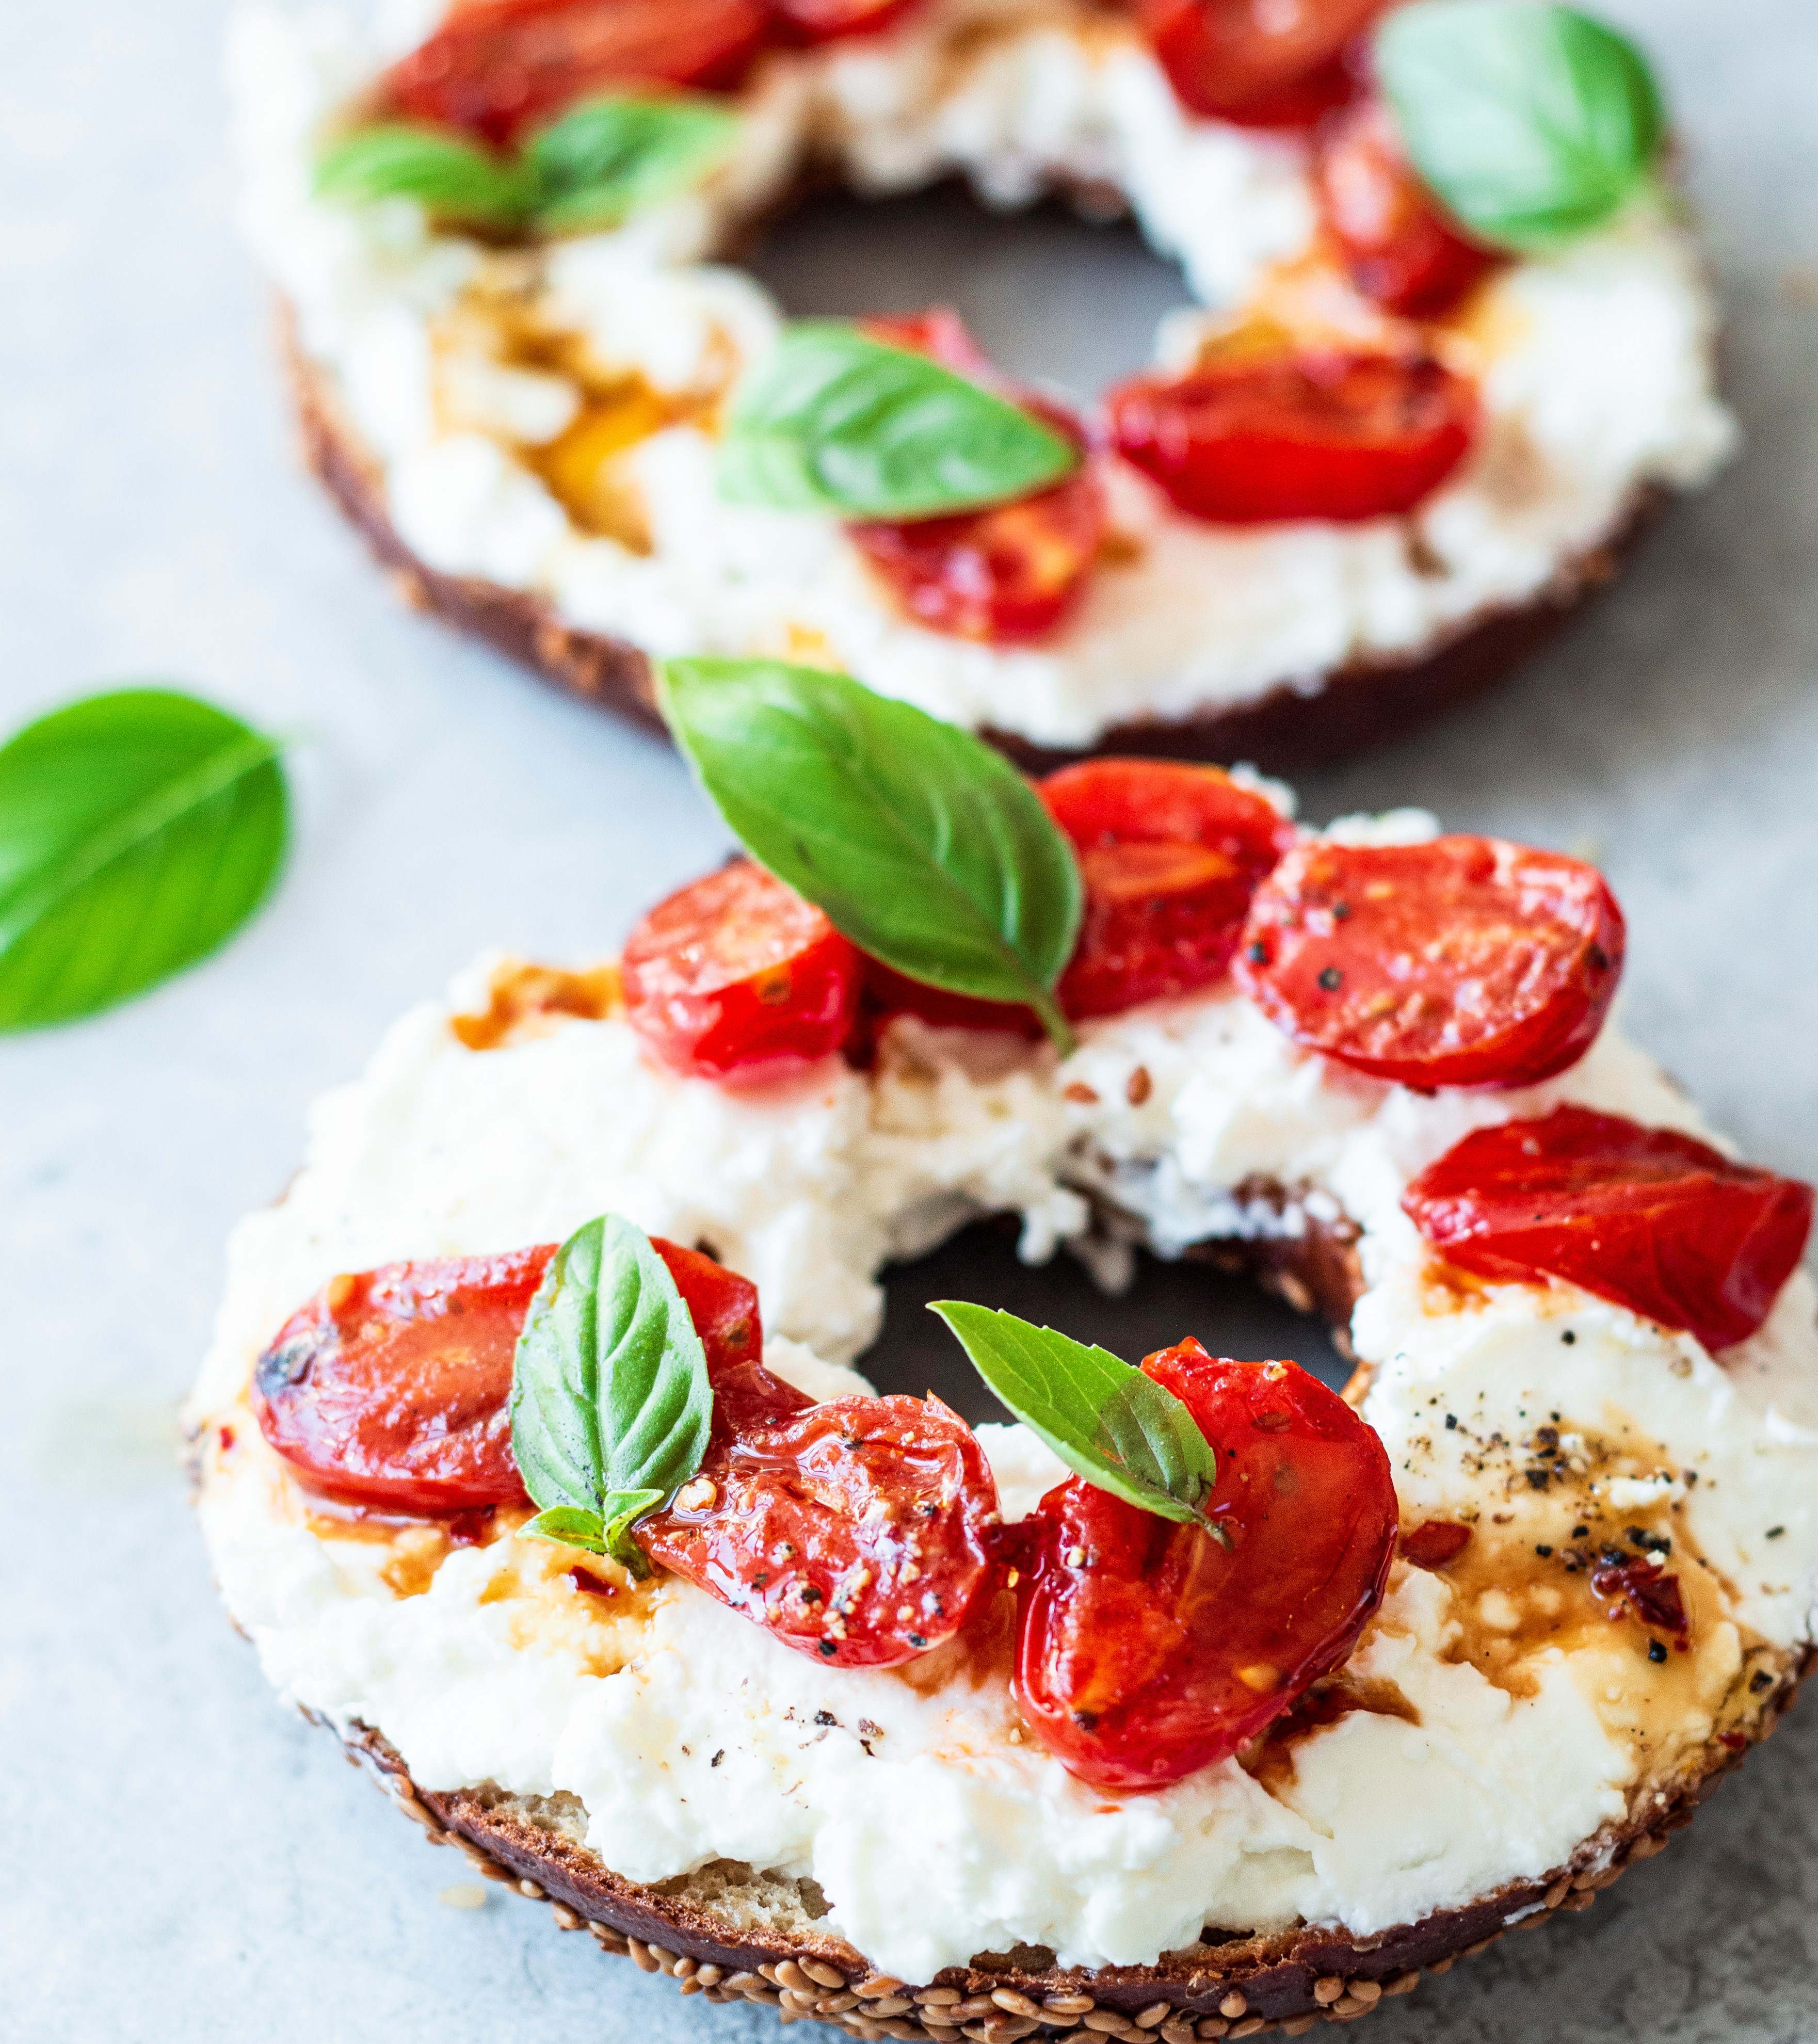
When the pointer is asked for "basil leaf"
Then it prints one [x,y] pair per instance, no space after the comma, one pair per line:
[611,157]
[138,830]
[832,420]
[919,842]
[1120,1430]
[1531,123]
[610,1403]
[449,177]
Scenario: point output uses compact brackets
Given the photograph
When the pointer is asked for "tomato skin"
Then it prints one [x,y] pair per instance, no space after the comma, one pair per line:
[1170,855]
[1398,244]
[391,1390]
[736,977]
[1255,436]
[1650,1219]
[889,993]
[1461,961]
[497,67]
[859,1532]
[810,21]
[1136,1634]
[1263,66]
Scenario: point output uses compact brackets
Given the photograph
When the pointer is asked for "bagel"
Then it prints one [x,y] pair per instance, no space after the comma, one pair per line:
[890,1849]
[453,392]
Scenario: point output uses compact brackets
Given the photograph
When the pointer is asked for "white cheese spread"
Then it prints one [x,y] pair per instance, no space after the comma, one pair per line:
[1595,364]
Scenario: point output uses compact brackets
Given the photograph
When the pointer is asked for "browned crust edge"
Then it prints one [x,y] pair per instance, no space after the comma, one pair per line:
[1288,730]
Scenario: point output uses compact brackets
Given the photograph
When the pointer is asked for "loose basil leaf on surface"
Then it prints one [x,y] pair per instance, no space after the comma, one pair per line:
[449,178]
[918,841]
[611,1408]
[831,420]
[139,830]
[1120,1430]
[611,157]
[1531,123]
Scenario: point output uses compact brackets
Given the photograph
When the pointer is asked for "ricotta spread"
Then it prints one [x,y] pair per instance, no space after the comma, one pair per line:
[1514,1735]
[1595,364]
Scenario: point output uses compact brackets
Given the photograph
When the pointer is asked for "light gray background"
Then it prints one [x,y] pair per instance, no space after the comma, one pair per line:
[181,1859]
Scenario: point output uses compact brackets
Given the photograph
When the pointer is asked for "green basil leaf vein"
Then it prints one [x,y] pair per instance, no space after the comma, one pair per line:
[449,177]
[1531,123]
[139,830]
[611,1408]
[614,156]
[925,848]
[1120,1430]
[831,420]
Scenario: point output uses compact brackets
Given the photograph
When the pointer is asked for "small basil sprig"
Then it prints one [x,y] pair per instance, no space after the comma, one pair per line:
[138,830]
[1120,1430]
[831,420]
[611,1407]
[606,158]
[1531,123]
[918,841]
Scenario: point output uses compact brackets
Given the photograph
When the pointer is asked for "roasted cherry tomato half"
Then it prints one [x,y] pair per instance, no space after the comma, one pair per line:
[858,1531]
[497,67]
[1259,62]
[829,20]
[391,1389]
[1655,1220]
[1009,573]
[1399,244]
[736,978]
[1170,855]
[1464,961]
[1261,431]
[1147,1649]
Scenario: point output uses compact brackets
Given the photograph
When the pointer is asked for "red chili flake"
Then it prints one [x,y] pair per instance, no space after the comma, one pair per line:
[226,1439]
[1436,1543]
[583,1580]
[1646,1590]
[1734,1740]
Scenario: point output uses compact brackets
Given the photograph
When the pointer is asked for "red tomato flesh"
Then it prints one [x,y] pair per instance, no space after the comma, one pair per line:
[1259,62]
[804,21]
[1466,961]
[1259,435]
[495,68]
[1652,1219]
[1398,244]
[889,993]
[736,978]
[1009,573]
[858,1531]
[1146,1650]
[1170,855]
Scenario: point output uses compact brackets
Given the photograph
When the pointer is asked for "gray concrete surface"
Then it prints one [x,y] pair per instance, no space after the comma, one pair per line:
[182,1860]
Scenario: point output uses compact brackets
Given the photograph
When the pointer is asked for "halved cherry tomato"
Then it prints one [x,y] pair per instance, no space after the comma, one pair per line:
[494,68]
[1147,1649]
[1005,574]
[1170,855]
[828,20]
[889,993]
[391,1389]
[1655,1220]
[1258,434]
[1464,961]
[1400,246]
[736,977]
[1263,64]
[858,1531]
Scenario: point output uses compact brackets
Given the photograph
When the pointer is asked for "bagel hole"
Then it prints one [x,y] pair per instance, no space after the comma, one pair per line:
[1165,1303]
[1053,298]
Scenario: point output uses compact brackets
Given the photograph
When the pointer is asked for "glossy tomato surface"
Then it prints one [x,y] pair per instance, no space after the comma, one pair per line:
[1258,432]
[1170,855]
[391,1389]
[1265,63]
[736,977]
[1147,1650]
[498,67]
[1655,1220]
[889,993]
[1397,242]
[831,20]
[1464,961]
[858,1531]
